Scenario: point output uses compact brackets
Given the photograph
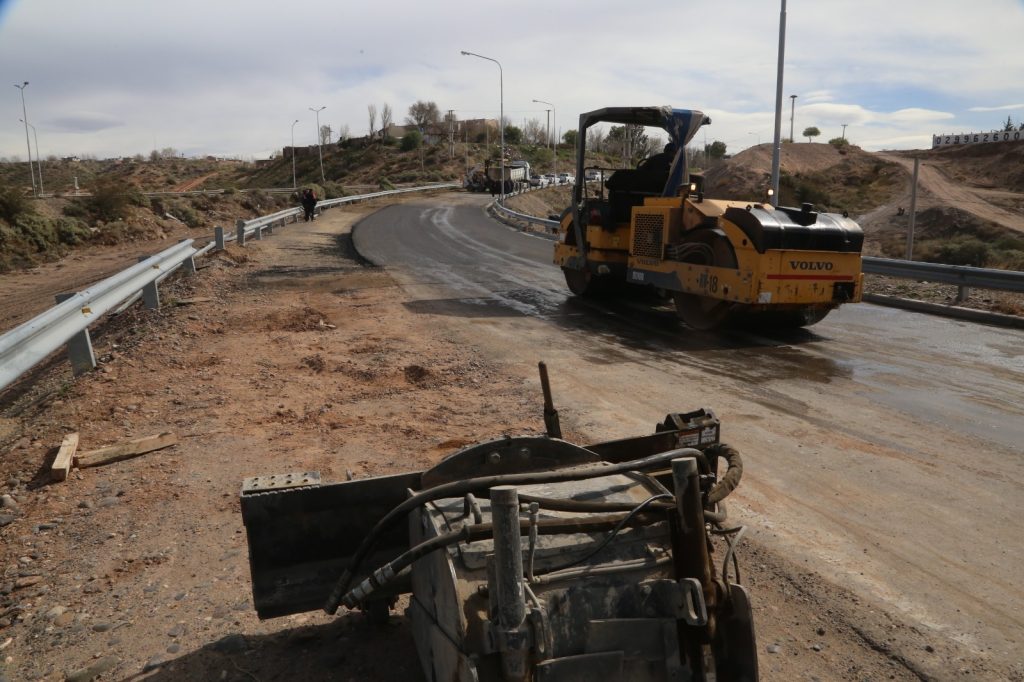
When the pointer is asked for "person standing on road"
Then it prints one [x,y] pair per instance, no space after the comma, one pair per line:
[308,203]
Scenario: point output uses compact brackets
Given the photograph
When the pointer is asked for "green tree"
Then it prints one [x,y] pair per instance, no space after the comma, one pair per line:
[411,140]
[1008,126]
[630,140]
[715,150]
[422,114]
[513,135]
[810,132]
[838,142]
[570,137]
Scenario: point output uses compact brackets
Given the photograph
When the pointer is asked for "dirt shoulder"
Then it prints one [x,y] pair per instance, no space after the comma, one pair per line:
[302,359]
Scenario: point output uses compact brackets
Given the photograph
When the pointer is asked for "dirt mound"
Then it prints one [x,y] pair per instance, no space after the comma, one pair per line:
[832,179]
[795,158]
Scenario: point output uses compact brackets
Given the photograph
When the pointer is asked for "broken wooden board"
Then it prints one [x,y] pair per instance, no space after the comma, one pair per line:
[65,456]
[126,450]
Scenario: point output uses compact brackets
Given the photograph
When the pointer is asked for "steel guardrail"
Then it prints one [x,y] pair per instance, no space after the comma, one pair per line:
[280,218]
[29,343]
[68,322]
[960,275]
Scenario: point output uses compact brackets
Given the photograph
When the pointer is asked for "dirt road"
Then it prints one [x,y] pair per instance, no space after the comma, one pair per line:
[977,202]
[307,360]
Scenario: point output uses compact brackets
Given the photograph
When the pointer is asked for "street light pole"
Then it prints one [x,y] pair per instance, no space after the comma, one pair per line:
[39,158]
[319,151]
[844,135]
[554,147]
[294,185]
[501,120]
[28,145]
[777,151]
[792,111]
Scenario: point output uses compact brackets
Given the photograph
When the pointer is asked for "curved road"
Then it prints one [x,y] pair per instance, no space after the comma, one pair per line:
[883,447]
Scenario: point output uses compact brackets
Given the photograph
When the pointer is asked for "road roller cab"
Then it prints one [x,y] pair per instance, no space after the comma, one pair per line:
[720,260]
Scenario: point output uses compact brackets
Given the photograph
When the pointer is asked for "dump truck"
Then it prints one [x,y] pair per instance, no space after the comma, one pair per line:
[488,178]
[527,557]
[720,261]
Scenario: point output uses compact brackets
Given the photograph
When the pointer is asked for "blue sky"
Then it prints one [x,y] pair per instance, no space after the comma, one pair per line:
[227,77]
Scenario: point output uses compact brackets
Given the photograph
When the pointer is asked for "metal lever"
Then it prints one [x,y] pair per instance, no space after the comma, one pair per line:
[554,429]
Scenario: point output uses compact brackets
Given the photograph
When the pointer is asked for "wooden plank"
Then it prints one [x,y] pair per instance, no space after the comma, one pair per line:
[65,456]
[126,450]
[192,301]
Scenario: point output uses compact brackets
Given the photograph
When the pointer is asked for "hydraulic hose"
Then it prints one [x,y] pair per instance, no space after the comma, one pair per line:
[728,482]
[483,483]
[485,531]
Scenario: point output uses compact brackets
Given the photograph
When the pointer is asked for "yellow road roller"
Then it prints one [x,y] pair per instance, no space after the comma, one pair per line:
[720,261]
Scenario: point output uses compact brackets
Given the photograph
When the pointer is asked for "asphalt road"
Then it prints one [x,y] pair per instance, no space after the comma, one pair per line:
[884,448]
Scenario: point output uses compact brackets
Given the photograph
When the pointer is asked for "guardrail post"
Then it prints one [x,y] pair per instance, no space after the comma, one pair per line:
[189,263]
[240,225]
[80,353]
[218,238]
[150,294]
[962,293]
[258,234]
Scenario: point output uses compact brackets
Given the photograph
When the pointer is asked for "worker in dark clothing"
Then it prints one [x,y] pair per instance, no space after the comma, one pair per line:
[661,162]
[308,203]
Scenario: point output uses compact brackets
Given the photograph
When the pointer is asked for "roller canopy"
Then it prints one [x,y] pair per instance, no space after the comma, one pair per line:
[680,124]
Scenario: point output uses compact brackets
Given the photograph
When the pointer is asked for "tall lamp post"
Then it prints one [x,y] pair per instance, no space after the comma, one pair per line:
[318,150]
[39,158]
[501,120]
[294,185]
[777,151]
[28,145]
[554,126]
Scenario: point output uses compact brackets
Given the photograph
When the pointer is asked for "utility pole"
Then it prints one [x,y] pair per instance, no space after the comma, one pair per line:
[28,145]
[451,133]
[553,123]
[777,151]
[319,151]
[792,111]
[913,210]
[293,153]
[844,136]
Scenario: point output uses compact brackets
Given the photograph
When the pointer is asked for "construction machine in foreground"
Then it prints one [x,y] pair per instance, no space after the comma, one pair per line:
[720,261]
[527,558]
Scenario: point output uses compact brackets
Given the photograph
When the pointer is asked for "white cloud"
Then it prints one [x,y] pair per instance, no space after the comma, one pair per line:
[231,76]
[1005,107]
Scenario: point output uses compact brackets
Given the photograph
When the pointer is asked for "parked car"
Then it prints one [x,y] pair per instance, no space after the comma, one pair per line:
[551,178]
[538,181]
[566,179]
[592,175]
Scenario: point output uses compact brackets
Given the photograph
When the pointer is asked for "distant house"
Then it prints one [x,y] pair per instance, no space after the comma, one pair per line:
[299,151]
[397,131]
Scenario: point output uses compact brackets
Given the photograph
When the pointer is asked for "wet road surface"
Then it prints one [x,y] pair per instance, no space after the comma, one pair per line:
[884,448]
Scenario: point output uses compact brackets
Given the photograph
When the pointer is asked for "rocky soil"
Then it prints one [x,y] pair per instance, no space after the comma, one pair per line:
[302,358]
